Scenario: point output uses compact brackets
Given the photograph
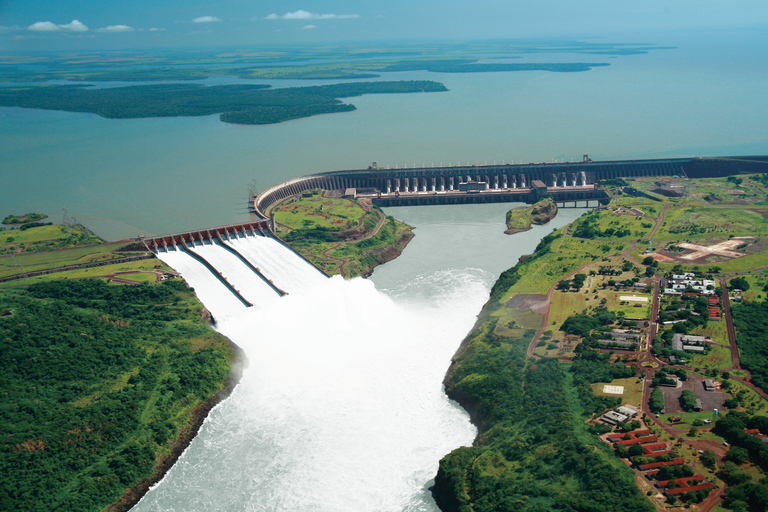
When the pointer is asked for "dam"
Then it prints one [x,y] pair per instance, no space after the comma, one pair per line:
[565,182]
[252,266]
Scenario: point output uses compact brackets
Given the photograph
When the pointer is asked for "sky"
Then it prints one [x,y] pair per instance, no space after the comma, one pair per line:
[43,25]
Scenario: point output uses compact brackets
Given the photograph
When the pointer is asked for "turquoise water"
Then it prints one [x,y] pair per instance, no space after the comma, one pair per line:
[155,176]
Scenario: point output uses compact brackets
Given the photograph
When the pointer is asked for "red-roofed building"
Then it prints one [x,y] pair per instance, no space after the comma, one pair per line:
[652,465]
[683,490]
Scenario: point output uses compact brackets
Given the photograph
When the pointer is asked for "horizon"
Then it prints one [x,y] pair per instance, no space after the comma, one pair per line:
[171,24]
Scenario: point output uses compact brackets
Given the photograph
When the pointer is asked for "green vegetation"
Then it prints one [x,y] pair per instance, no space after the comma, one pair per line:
[37,237]
[606,223]
[240,104]
[323,62]
[534,451]
[340,236]
[23,219]
[750,320]
[103,386]
[744,492]
[520,218]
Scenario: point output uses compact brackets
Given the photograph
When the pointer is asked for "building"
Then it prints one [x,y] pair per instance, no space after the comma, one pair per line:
[613,418]
[627,410]
[709,385]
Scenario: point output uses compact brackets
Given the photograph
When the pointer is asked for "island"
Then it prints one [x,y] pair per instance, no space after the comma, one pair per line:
[238,104]
[521,218]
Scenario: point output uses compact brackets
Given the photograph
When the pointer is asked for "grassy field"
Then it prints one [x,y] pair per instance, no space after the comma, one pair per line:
[633,390]
[567,255]
[700,221]
[608,224]
[45,238]
[30,262]
[719,358]
[316,211]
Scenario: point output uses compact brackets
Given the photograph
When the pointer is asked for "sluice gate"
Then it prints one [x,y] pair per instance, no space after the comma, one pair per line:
[262,227]
[210,246]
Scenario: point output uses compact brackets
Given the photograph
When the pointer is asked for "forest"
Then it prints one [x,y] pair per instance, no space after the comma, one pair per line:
[751,322]
[102,385]
[240,104]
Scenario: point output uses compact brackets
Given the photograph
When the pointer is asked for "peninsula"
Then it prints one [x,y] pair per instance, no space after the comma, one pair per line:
[604,371]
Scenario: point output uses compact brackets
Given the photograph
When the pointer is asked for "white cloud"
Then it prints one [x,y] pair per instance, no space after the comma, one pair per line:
[47,26]
[116,28]
[309,27]
[206,19]
[306,15]
[155,29]
[44,26]
[75,26]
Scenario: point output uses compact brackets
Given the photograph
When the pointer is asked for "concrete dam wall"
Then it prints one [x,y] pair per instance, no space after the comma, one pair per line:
[570,181]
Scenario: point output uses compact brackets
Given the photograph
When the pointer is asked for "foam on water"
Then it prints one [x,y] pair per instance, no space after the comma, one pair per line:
[341,408]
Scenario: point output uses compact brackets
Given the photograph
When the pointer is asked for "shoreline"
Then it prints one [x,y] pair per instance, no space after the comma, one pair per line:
[135,493]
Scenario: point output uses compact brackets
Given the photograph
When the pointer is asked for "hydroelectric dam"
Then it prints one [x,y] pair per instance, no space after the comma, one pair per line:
[249,265]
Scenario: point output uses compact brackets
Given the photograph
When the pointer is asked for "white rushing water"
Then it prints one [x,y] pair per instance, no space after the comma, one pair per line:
[342,406]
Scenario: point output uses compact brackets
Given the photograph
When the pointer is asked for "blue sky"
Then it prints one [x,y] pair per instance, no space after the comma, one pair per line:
[33,25]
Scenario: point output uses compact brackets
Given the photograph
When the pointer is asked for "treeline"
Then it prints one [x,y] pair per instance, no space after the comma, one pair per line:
[751,322]
[99,382]
[243,104]
[744,494]
[471,66]
[534,451]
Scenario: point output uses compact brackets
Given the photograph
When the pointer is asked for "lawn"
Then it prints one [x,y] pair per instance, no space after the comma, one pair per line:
[149,264]
[719,358]
[567,254]
[606,222]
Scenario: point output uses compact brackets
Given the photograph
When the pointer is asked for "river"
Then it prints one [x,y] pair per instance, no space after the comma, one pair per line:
[342,407]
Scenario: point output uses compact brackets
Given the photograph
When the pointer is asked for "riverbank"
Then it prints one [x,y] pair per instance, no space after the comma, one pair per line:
[199,414]
[124,395]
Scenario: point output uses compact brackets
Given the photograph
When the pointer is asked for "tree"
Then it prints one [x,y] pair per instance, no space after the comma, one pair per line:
[688,400]
[708,458]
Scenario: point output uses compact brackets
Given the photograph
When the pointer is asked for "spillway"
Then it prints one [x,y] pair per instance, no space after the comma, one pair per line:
[259,268]
[278,263]
[207,286]
[250,285]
